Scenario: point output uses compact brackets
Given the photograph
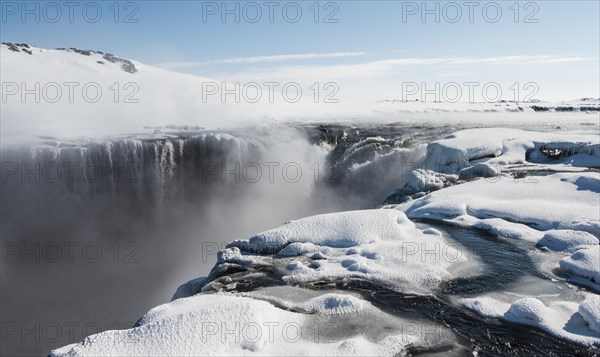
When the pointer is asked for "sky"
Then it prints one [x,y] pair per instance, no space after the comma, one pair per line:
[548,50]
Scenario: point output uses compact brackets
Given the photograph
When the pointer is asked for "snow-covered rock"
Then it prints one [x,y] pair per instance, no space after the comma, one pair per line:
[559,318]
[544,202]
[590,311]
[269,279]
[567,240]
[377,245]
[584,263]
[225,324]
[501,146]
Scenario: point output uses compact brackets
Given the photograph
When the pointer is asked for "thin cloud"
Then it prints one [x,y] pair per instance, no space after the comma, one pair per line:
[385,67]
[260,59]
[455,74]
[485,60]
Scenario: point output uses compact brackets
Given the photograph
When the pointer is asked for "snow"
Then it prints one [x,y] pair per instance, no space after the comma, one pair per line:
[479,170]
[559,212]
[127,102]
[567,240]
[590,311]
[466,181]
[163,100]
[226,324]
[279,320]
[295,249]
[427,180]
[337,230]
[334,304]
[501,146]
[544,202]
[559,318]
[487,306]
[584,263]
[502,228]
[378,245]
[431,107]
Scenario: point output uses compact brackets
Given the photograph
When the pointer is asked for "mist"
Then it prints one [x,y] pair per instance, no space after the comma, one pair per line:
[102,232]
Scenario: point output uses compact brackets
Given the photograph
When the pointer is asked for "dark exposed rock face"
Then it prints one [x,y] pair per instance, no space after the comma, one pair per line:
[565,108]
[18,47]
[81,52]
[126,65]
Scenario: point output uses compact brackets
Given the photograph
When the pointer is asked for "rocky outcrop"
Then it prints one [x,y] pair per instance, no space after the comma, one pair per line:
[126,65]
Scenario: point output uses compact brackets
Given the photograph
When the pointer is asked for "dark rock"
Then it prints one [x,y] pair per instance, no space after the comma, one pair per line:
[13,47]
[128,66]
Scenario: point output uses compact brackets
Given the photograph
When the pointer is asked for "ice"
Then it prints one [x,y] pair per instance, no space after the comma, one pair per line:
[479,170]
[427,180]
[432,231]
[582,160]
[211,325]
[188,289]
[486,306]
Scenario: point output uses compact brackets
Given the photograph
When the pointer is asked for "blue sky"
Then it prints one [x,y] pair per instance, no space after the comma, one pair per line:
[374,44]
